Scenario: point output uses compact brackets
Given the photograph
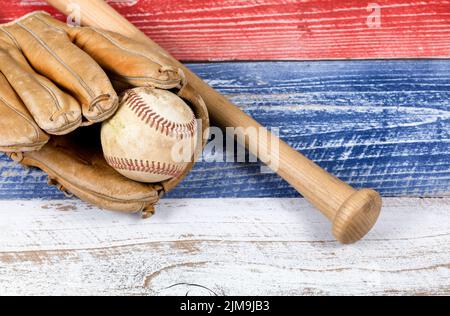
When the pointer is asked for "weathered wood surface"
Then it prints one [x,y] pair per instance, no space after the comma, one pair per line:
[282,29]
[220,246]
[380,124]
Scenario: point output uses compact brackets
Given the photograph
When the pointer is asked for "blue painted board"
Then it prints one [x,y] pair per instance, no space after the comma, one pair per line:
[380,124]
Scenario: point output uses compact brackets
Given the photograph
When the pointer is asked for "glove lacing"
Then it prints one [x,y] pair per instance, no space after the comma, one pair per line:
[96,101]
[60,112]
[177,71]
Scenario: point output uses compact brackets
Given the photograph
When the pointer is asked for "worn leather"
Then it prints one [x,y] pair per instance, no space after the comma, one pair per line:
[55,79]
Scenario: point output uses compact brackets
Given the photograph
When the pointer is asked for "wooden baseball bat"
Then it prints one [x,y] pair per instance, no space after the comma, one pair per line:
[352,213]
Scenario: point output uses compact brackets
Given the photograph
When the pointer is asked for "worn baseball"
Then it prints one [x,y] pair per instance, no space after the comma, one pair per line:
[152,137]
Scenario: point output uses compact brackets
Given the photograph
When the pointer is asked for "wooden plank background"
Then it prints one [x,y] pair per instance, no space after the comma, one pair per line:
[208,247]
[282,29]
[381,124]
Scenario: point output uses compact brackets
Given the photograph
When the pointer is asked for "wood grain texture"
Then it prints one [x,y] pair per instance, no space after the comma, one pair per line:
[282,29]
[228,247]
[380,124]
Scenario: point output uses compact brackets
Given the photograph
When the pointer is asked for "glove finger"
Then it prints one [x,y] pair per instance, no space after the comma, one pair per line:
[54,111]
[18,130]
[51,53]
[127,60]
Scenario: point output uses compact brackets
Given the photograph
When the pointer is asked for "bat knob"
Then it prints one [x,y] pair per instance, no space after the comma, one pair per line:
[356,216]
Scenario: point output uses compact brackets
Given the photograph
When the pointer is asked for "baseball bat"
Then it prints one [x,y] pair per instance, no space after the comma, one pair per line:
[352,212]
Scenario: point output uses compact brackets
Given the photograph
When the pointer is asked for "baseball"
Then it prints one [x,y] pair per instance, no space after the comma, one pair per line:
[152,137]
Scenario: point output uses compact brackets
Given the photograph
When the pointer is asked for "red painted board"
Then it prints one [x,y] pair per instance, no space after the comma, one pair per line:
[283,29]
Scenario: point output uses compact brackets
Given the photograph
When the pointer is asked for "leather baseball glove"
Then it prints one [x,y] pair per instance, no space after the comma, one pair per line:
[55,79]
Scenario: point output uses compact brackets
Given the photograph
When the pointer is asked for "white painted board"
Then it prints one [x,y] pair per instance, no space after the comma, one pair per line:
[220,246]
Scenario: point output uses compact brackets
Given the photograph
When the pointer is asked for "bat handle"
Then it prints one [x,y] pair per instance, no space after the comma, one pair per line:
[352,212]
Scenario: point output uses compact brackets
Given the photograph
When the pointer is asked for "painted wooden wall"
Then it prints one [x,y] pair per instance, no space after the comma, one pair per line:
[381,124]
[283,29]
[221,247]
[377,123]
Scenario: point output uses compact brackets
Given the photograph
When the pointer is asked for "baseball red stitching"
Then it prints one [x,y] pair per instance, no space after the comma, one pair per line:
[160,168]
[161,124]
